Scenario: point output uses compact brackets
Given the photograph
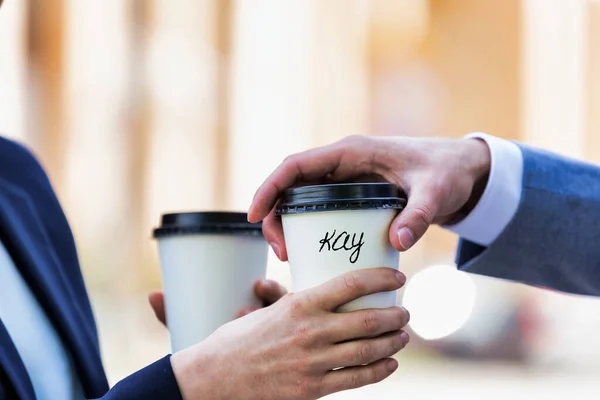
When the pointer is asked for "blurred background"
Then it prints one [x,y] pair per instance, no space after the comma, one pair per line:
[138,107]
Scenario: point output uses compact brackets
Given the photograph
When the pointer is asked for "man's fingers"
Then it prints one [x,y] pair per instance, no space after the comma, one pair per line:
[412,222]
[367,323]
[268,291]
[352,285]
[347,159]
[311,164]
[366,351]
[273,231]
[157,302]
[355,377]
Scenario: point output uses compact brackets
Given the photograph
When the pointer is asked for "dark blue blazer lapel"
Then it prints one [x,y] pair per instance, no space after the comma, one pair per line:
[13,368]
[36,235]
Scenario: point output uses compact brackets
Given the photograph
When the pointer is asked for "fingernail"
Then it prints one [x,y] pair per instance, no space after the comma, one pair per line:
[404,338]
[406,238]
[401,278]
[391,365]
[267,284]
[275,248]
[407,315]
[260,284]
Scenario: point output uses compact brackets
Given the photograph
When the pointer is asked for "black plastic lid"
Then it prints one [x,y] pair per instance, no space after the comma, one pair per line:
[341,196]
[213,222]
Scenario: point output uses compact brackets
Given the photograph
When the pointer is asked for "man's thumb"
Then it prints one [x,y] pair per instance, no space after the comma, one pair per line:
[412,222]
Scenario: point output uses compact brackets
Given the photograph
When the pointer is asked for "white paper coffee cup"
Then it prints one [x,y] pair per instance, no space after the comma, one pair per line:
[209,263]
[333,229]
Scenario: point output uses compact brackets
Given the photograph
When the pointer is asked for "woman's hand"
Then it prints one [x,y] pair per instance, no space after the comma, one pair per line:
[294,349]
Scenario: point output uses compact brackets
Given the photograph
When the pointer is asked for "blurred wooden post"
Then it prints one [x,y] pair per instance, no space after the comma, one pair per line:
[272,107]
[340,70]
[593,86]
[138,146]
[223,44]
[45,22]
[401,100]
[474,47]
[554,75]
[183,67]
[273,90]
[13,70]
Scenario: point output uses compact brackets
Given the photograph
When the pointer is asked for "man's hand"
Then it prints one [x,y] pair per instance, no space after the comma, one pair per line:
[443,179]
[267,291]
[293,350]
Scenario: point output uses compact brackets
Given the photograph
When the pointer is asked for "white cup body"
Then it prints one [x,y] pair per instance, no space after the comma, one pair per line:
[315,257]
[208,279]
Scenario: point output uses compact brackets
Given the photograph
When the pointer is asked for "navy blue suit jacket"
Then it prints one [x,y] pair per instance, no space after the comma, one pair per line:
[36,234]
[553,239]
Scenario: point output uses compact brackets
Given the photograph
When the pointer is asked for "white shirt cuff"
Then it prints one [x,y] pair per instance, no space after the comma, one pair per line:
[502,195]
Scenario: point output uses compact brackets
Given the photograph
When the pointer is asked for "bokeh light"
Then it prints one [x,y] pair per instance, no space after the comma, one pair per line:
[440,300]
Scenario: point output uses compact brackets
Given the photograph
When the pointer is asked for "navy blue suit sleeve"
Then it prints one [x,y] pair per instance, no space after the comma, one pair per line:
[156,381]
[552,241]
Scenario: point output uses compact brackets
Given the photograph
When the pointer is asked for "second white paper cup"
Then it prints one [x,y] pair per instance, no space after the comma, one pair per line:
[209,264]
